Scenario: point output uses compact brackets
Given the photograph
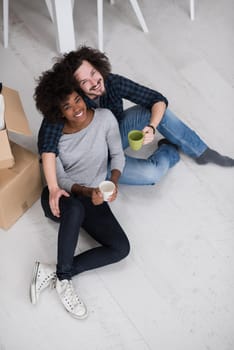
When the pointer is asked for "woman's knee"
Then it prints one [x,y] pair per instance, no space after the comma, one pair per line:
[72,207]
[122,249]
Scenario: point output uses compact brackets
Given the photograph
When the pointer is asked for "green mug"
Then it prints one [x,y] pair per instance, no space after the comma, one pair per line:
[135,139]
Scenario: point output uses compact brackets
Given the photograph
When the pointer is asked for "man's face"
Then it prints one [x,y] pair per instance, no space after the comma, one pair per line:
[90,80]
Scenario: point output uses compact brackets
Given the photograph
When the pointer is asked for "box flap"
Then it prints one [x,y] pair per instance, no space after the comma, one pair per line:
[15,117]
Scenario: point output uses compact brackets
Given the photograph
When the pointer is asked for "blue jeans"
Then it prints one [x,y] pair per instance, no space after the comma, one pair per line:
[151,170]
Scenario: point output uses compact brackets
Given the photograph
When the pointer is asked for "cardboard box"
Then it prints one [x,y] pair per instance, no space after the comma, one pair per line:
[15,121]
[20,186]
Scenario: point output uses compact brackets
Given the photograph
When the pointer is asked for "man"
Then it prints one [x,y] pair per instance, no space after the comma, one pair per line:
[103,89]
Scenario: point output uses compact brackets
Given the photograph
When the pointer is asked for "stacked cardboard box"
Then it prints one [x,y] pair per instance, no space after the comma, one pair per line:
[20,177]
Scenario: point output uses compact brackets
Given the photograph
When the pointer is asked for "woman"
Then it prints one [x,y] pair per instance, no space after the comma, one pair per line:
[90,141]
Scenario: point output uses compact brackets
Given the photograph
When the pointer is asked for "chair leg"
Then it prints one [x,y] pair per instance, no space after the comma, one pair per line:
[192,10]
[5,22]
[63,18]
[50,9]
[100,24]
[139,15]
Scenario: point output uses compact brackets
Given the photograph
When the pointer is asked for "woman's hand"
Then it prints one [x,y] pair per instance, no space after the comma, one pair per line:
[55,195]
[114,194]
[97,197]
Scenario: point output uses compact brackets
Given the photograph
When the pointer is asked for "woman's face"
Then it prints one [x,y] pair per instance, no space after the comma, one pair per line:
[74,108]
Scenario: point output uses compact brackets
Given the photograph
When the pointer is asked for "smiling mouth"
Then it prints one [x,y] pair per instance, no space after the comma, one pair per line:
[79,114]
[97,86]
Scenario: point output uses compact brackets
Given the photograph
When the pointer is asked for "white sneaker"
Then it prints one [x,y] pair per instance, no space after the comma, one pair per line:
[43,276]
[70,299]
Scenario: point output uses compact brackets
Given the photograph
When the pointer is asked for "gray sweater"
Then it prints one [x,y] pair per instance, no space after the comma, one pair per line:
[83,156]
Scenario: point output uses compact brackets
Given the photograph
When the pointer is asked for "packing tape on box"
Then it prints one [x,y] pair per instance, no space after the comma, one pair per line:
[2,110]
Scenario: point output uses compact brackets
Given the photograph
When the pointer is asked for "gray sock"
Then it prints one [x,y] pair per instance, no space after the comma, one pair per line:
[211,156]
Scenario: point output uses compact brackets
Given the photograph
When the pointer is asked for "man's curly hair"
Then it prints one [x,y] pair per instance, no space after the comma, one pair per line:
[53,88]
[74,59]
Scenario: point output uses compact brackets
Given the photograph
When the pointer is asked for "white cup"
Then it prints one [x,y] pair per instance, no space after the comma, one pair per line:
[106,188]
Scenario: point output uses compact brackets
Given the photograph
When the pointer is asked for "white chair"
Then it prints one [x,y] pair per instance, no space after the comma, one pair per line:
[5,22]
[61,13]
[138,13]
[50,8]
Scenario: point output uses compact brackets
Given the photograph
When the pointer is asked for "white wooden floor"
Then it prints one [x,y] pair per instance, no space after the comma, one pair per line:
[176,289]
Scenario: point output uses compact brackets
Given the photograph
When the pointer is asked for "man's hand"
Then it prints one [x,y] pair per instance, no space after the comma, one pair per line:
[55,195]
[157,111]
[148,135]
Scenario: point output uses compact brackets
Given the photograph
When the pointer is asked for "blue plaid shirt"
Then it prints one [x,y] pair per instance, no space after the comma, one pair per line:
[117,88]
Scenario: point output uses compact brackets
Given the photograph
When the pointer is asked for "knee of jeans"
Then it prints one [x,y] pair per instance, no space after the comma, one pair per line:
[153,175]
[175,159]
[73,206]
[171,155]
[122,250]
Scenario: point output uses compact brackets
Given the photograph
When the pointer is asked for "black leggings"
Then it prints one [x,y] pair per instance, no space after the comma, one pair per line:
[98,221]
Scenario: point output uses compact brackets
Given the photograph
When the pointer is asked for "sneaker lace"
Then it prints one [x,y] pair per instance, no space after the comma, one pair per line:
[49,278]
[71,295]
